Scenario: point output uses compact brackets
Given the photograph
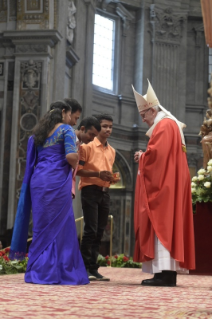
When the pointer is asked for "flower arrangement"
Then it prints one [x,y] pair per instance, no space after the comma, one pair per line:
[118,261]
[8,266]
[201,185]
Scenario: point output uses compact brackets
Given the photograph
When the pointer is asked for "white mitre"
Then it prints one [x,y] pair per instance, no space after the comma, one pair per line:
[146,101]
[149,100]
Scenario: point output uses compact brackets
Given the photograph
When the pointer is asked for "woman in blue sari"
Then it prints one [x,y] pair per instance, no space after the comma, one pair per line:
[54,256]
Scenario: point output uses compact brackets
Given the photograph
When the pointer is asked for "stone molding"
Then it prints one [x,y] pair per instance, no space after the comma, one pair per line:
[31,42]
[31,48]
[127,99]
[195,108]
[91,2]
[199,32]
[50,36]
[131,3]
[125,15]
[71,57]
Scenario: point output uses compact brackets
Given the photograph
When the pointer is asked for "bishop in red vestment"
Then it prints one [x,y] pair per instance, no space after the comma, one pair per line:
[163,210]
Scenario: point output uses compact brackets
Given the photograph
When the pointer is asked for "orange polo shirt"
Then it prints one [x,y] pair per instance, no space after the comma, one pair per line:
[95,157]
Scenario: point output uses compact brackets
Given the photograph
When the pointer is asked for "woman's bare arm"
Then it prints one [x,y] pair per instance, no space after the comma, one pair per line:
[72,159]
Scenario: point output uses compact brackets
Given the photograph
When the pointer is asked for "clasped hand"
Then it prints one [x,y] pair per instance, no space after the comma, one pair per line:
[137,156]
[108,177]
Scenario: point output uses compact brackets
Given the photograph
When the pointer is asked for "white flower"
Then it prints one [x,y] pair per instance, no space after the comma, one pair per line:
[201,177]
[209,168]
[193,190]
[207,184]
[201,171]
[194,179]
[193,184]
[210,162]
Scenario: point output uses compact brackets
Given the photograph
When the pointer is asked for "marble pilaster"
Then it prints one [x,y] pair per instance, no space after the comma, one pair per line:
[33,52]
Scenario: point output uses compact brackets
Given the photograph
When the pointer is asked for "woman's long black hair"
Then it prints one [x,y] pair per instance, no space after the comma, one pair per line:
[48,121]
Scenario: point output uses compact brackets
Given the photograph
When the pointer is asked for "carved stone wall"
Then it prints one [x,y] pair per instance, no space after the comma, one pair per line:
[121,210]
[29,14]
[5,144]
[3,10]
[196,89]
[29,113]
[127,225]
[33,50]
[166,74]
[167,29]
[71,21]
[12,10]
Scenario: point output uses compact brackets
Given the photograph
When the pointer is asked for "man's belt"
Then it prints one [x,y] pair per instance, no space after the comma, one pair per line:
[100,188]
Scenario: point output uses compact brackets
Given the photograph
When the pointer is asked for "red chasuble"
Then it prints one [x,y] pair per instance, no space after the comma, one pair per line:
[163,198]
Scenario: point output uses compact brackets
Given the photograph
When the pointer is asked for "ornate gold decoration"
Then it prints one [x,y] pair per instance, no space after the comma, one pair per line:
[33,5]
[206,130]
[32,12]
[184,149]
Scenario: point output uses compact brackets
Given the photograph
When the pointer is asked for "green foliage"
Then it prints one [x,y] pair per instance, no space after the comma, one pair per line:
[118,261]
[9,267]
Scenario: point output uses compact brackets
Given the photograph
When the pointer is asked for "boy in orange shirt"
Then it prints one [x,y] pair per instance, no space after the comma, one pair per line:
[95,171]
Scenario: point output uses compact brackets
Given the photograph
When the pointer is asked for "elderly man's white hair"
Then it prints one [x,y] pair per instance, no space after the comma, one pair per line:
[157,108]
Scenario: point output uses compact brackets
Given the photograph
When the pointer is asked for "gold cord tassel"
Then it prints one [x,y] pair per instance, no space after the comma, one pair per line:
[184,148]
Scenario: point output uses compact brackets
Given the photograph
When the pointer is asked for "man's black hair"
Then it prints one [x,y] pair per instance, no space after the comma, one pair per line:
[88,122]
[101,117]
[75,106]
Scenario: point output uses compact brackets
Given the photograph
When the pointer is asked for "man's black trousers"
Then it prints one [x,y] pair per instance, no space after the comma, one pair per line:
[95,205]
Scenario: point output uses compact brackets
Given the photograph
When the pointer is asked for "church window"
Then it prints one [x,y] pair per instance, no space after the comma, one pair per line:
[103,52]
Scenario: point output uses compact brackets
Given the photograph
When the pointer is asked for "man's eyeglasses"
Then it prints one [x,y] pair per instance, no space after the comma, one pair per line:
[143,114]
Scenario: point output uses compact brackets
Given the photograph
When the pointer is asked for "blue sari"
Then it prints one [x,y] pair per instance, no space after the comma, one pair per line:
[54,256]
